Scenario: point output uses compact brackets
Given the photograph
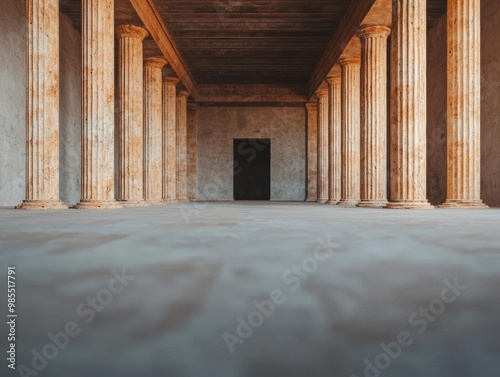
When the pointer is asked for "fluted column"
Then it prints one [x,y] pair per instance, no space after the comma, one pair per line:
[170,139]
[98,105]
[464,105]
[192,150]
[334,138]
[373,115]
[131,113]
[350,173]
[42,110]
[408,110]
[153,130]
[312,151]
[322,95]
[181,118]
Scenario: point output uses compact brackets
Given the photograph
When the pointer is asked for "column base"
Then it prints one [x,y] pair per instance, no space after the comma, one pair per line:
[463,204]
[183,200]
[134,203]
[332,201]
[322,201]
[155,202]
[372,203]
[348,202]
[409,204]
[170,201]
[97,204]
[311,199]
[42,205]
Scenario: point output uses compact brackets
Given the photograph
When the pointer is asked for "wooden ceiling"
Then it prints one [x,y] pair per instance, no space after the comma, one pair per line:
[277,42]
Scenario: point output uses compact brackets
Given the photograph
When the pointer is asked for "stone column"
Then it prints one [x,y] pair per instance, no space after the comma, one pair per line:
[373,115]
[312,151]
[181,118]
[98,104]
[322,95]
[153,130]
[192,150]
[169,139]
[350,131]
[334,138]
[42,110]
[130,115]
[408,110]
[464,105]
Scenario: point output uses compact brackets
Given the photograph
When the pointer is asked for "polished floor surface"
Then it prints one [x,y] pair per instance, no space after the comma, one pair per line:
[254,290]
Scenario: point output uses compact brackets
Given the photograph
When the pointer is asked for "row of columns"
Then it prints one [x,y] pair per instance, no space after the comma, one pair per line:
[352,115]
[152,124]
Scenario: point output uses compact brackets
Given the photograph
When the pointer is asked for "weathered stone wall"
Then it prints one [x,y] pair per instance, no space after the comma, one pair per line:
[490,115]
[13,106]
[285,126]
[436,112]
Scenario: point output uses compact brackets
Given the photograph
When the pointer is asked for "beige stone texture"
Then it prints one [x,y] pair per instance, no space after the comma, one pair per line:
[373,115]
[42,115]
[334,81]
[312,151]
[98,105]
[170,139]
[464,105]
[181,120]
[192,150]
[350,174]
[408,110]
[153,130]
[322,95]
[131,114]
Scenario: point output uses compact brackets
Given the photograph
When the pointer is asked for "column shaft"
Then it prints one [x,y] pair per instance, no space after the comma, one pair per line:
[334,138]
[464,105]
[153,130]
[350,132]
[192,150]
[170,139]
[322,95]
[408,110]
[181,118]
[312,152]
[98,105]
[130,114]
[373,115]
[42,110]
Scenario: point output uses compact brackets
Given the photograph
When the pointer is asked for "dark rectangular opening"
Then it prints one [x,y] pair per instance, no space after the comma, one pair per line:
[252,169]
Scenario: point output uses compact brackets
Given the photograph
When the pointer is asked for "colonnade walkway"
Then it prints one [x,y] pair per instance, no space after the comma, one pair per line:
[255,289]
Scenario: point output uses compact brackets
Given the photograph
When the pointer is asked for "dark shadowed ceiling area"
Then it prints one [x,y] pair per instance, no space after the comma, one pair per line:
[246,41]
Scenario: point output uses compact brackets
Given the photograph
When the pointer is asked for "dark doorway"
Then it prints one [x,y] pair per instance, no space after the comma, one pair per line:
[252,169]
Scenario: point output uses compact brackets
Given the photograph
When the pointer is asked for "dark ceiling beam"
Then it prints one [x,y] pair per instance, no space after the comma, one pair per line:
[353,17]
[153,21]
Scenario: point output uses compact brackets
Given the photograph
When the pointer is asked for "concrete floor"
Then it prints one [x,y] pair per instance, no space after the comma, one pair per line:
[362,277]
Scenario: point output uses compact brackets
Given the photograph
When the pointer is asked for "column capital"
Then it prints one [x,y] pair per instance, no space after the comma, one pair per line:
[368,31]
[322,93]
[155,61]
[349,61]
[183,93]
[333,80]
[132,31]
[192,106]
[171,80]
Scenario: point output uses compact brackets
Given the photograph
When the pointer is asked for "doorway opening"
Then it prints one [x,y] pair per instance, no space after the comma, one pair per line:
[252,169]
